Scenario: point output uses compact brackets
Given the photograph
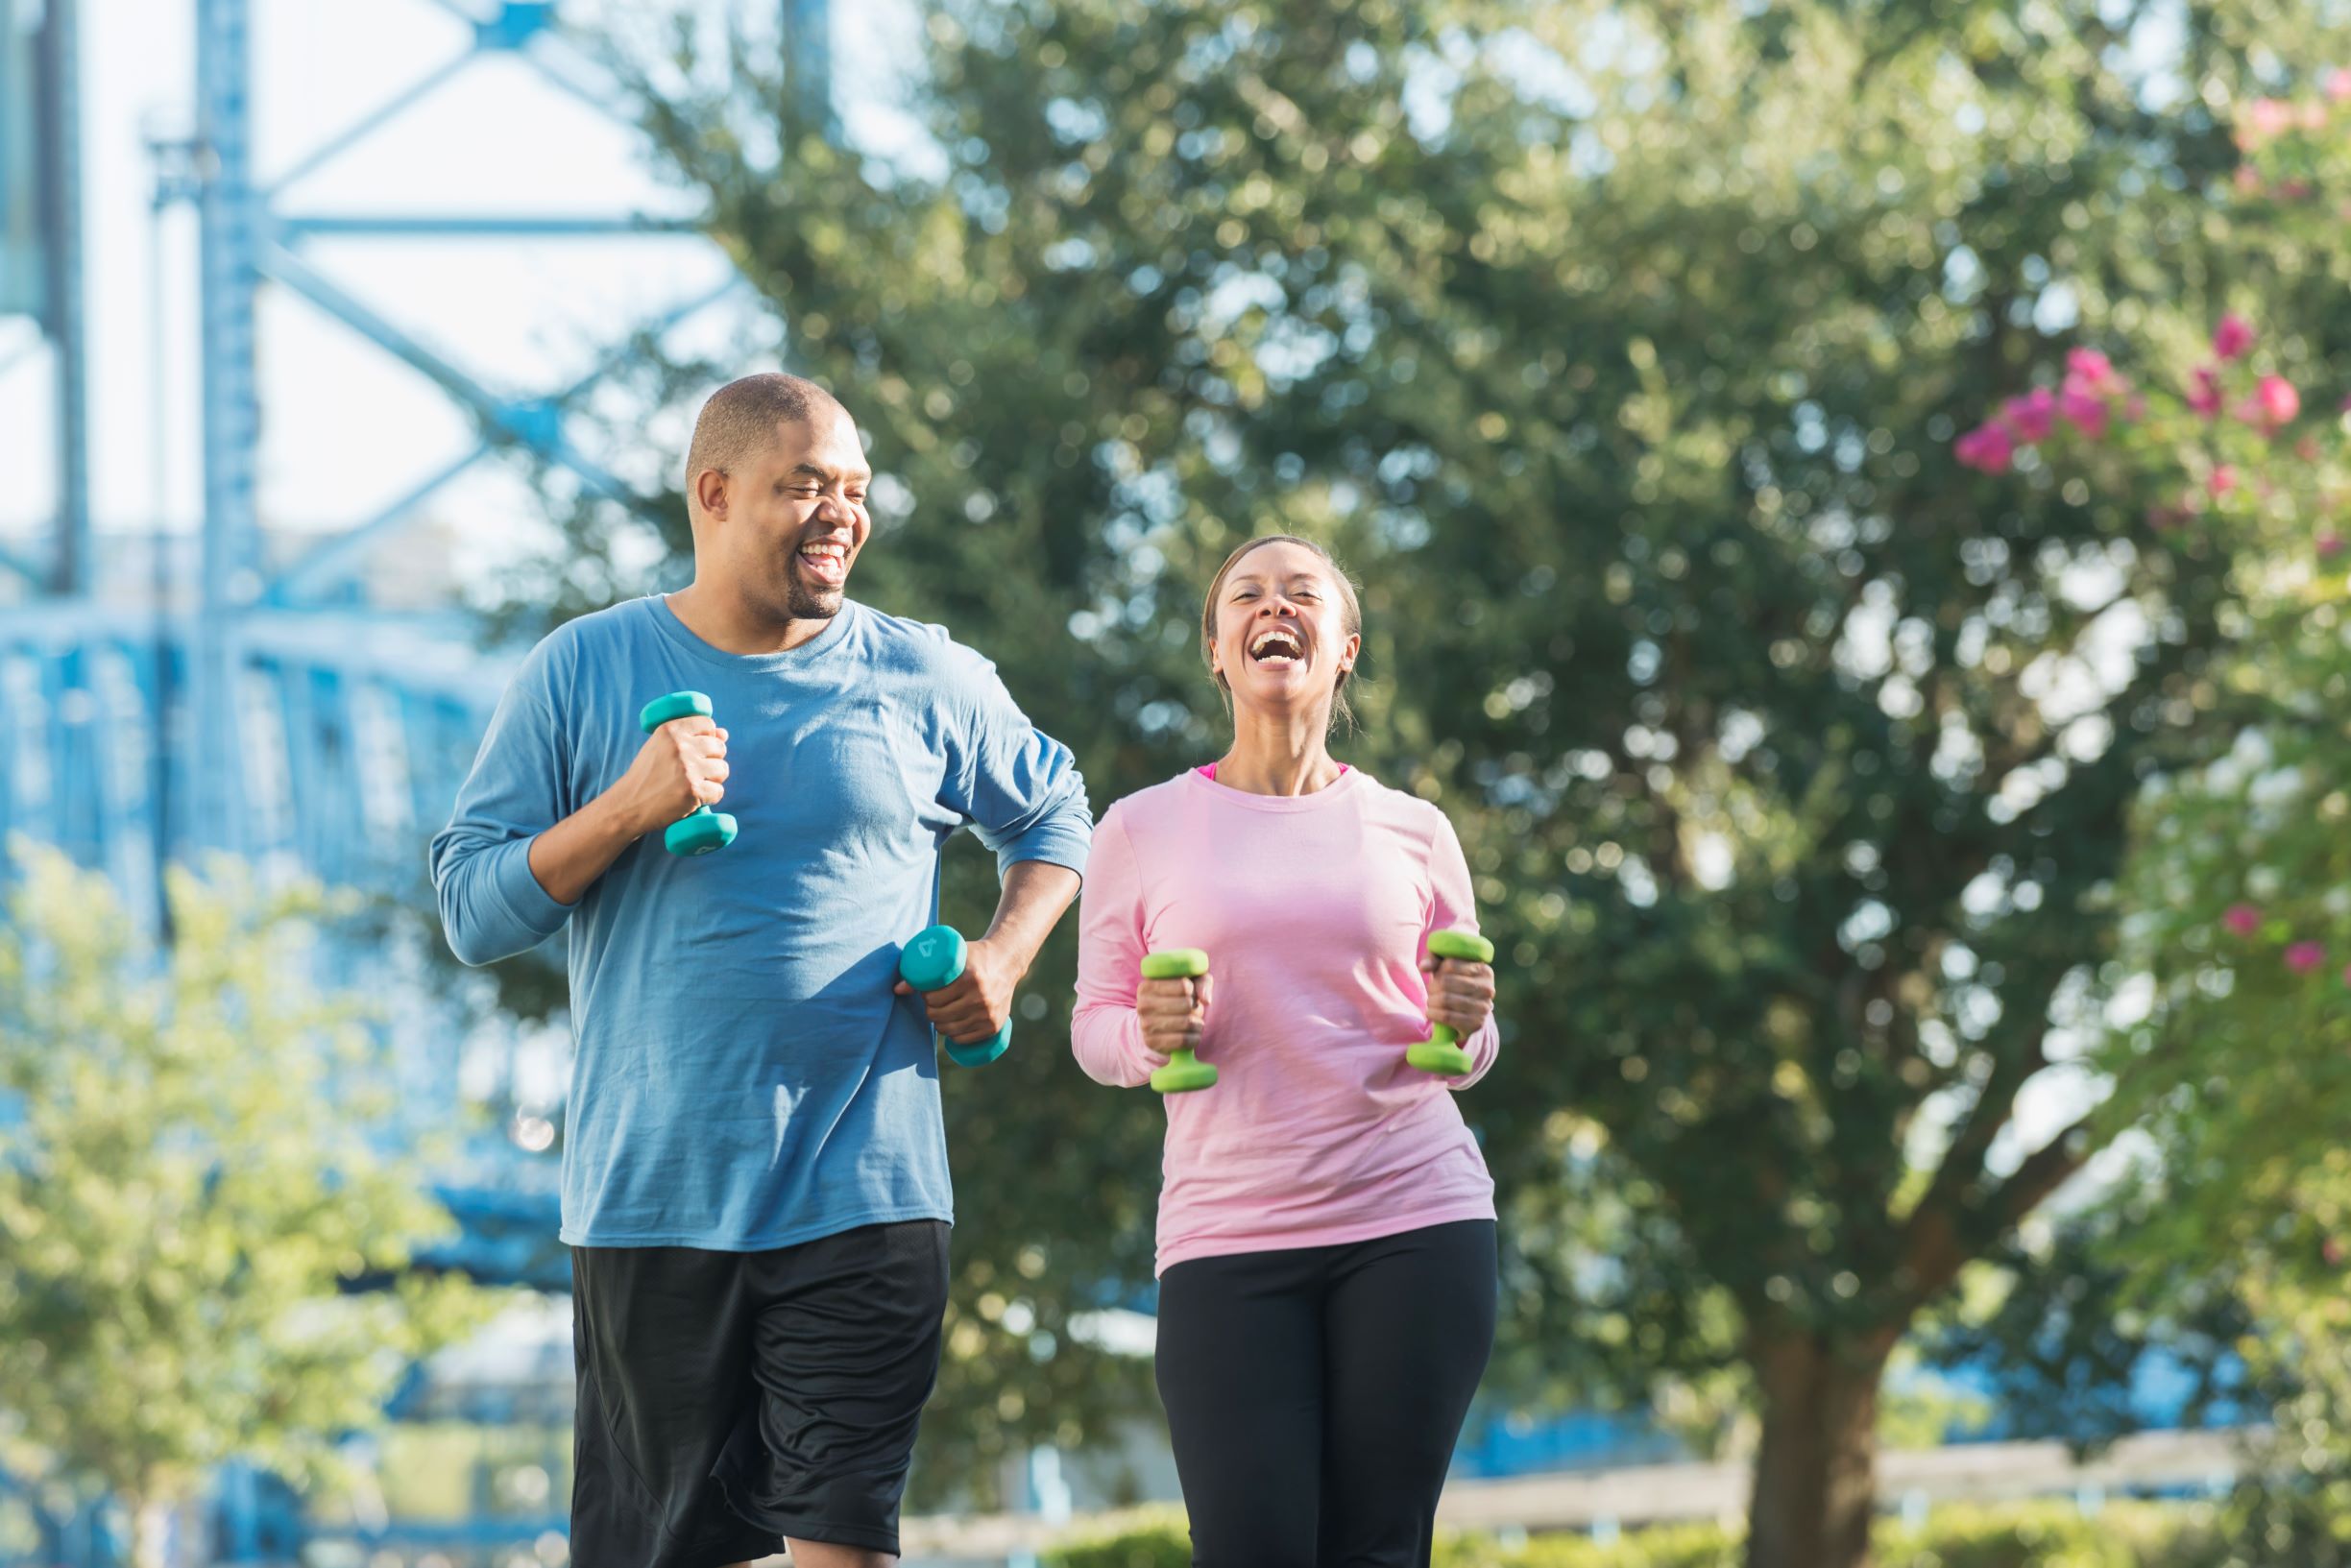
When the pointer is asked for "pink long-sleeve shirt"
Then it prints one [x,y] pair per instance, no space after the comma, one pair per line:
[1314,912]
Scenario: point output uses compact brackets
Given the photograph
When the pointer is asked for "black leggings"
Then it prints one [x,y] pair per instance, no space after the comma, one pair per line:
[1314,1395]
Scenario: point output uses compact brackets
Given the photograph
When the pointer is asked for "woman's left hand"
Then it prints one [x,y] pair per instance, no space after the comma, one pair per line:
[1460,993]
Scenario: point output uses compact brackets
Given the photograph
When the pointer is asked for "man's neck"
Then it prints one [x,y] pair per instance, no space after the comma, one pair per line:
[731,624]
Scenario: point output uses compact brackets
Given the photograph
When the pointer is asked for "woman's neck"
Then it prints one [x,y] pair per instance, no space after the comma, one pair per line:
[1278,753]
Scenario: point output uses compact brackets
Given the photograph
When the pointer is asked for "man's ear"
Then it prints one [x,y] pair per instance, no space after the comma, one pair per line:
[710,492]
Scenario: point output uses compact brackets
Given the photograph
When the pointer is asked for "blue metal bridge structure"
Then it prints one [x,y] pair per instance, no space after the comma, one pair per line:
[237,690]
[240,689]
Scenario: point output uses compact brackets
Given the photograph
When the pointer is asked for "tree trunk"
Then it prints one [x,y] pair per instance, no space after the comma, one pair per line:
[1816,1466]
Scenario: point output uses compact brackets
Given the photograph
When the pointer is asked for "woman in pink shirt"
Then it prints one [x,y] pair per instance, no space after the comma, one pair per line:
[1326,1224]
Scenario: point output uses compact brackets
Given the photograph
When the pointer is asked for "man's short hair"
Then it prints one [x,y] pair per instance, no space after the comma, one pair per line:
[741,418]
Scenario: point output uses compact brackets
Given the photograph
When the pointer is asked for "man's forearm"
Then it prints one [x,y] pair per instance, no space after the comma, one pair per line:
[570,856]
[1035,893]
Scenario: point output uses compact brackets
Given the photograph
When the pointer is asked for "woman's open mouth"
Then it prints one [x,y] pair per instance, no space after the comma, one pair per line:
[1277,647]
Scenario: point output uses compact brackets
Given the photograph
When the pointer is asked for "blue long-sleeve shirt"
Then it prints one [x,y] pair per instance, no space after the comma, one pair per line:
[743,1077]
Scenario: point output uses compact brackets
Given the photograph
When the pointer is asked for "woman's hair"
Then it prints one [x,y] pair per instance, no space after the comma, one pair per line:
[1351,617]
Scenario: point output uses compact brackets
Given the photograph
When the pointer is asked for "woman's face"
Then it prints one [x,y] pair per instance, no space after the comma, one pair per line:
[1281,636]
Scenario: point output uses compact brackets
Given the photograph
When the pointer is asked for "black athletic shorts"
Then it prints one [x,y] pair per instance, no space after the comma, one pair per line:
[730,1399]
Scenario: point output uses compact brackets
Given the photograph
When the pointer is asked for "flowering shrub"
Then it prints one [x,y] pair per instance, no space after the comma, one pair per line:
[2226,448]
[2239,899]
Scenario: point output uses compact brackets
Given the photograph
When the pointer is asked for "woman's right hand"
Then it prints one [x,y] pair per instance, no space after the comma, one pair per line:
[1174,1013]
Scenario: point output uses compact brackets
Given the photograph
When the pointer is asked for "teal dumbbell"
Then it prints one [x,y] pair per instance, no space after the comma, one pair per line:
[701,830]
[1441,1053]
[933,961]
[1184,1070]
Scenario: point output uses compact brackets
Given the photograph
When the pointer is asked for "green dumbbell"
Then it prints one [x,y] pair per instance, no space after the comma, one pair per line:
[1441,1053]
[701,830]
[933,961]
[1184,1071]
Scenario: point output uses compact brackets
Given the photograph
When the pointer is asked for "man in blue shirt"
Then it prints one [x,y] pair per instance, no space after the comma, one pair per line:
[755,1179]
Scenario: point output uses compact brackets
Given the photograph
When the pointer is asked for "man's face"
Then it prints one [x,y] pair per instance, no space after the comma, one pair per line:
[796,517]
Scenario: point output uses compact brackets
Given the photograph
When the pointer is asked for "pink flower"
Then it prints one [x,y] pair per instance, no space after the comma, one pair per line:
[2269,117]
[2092,370]
[2303,956]
[2248,179]
[2084,408]
[2204,394]
[2031,417]
[2329,546]
[1987,447]
[2223,480]
[2233,336]
[2275,402]
[2241,919]
[2339,84]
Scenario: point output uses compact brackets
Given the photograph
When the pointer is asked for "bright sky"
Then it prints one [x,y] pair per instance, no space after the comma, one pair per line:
[347,427]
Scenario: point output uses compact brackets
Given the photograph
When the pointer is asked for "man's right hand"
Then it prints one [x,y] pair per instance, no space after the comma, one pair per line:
[1174,1012]
[681,766]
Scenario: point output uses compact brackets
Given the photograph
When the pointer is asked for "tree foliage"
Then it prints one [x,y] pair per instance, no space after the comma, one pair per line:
[2233,1058]
[194,1186]
[1621,349]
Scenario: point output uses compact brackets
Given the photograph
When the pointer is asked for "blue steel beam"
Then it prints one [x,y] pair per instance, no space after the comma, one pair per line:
[228,247]
[86,701]
[57,93]
[807,44]
[510,24]
[359,129]
[11,560]
[11,358]
[513,27]
[573,77]
[430,225]
[693,304]
[334,559]
[255,239]
[524,422]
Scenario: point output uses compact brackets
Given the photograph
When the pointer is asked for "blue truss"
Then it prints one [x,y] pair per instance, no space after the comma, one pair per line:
[261,709]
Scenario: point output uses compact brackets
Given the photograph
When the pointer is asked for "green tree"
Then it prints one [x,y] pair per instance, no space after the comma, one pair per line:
[193,1187]
[1620,347]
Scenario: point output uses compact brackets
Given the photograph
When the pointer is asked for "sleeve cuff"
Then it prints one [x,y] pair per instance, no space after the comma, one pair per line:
[1051,842]
[1485,1050]
[531,906]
